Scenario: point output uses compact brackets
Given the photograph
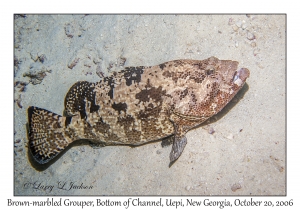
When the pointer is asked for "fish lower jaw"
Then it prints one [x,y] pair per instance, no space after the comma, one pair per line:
[240,76]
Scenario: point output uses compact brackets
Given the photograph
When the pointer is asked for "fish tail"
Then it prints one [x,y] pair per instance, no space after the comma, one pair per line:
[47,134]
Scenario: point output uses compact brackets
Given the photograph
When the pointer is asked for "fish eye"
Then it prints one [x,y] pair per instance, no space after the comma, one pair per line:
[210,71]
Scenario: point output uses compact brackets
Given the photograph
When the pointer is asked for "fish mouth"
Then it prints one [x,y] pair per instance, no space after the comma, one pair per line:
[240,76]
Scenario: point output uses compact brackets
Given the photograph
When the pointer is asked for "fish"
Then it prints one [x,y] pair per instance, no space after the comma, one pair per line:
[137,105]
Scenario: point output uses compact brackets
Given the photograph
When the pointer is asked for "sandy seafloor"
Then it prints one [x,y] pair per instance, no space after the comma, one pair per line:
[246,155]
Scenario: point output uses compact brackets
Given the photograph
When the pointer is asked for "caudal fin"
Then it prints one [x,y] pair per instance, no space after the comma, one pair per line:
[47,134]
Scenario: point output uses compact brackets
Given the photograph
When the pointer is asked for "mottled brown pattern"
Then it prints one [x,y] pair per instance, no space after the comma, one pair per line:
[138,105]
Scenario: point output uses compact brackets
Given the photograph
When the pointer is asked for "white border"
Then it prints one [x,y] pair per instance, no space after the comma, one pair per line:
[154,6]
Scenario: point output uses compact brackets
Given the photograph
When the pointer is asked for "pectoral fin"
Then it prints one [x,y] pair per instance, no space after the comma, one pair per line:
[177,148]
[181,127]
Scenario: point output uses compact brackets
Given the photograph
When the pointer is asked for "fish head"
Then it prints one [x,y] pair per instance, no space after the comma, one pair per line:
[220,81]
[229,79]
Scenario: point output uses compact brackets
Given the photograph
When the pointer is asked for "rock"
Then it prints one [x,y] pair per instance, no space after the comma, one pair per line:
[230,21]
[238,24]
[69,31]
[236,44]
[211,130]
[235,187]
[73,62]
[235,28]
[230,136]
[250,36]
[244,26]
[36,73]
[256,51]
